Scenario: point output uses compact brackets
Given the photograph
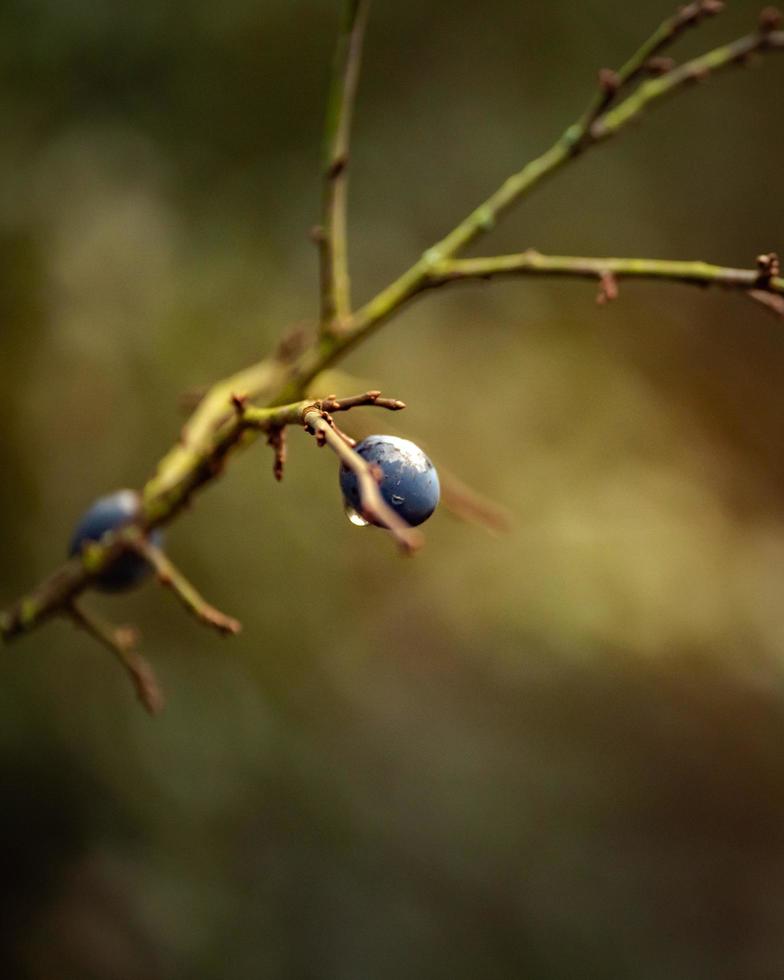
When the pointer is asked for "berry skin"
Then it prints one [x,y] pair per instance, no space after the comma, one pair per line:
[108,514]
[409,482]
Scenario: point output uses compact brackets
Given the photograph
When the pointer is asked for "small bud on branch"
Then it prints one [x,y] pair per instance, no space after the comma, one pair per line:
[770,19]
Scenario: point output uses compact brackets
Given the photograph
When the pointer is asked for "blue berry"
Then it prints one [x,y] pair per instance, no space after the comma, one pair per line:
[108,514]
[409,482]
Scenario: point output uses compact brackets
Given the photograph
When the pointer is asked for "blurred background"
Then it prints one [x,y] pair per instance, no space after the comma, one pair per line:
[555,753]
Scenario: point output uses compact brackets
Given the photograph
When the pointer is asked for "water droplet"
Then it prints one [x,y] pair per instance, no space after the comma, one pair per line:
[397,500]
[355,517]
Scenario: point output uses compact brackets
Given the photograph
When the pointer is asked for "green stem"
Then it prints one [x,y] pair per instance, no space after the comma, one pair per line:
[532,263]
[692,71]
[333,238]
[576,139]
[665,35]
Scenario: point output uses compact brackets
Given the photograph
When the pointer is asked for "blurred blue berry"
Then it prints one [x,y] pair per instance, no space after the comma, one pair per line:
[409,482]
[108,514]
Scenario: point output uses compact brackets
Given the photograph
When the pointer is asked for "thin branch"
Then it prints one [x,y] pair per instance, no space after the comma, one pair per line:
[195,462]
[573,141]
[770,301]
[611,83]
[171,577]
[163,498]
[373,398]
[350,441]
[58,590]
[533,263]
[736,53]
[121,641]
[690,15]
[373,504]
[216,429]
[332,236]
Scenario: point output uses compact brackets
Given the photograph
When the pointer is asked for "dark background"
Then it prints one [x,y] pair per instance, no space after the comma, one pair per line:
[551,754]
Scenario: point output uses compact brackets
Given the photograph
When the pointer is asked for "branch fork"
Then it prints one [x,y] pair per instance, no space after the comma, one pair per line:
[226,419]
[121,641]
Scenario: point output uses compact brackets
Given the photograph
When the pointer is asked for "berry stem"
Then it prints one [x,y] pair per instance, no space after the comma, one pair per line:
[373,504]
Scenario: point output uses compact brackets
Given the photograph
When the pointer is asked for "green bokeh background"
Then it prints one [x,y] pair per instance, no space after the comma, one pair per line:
[551,754]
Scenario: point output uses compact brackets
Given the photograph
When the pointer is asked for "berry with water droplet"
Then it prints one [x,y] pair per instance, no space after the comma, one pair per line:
[409,482]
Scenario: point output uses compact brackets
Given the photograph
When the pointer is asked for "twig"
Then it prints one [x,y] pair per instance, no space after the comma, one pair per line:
[333,404]
[164,497]
[58,590]
[277,439]
[215,429]
[697,70]
[533,263]
[667,34]
[485,217]
[332,237]
[173,579]
[373,504]
[689,15]
[350,441]
[611,84]
[121,641]
[771,301]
